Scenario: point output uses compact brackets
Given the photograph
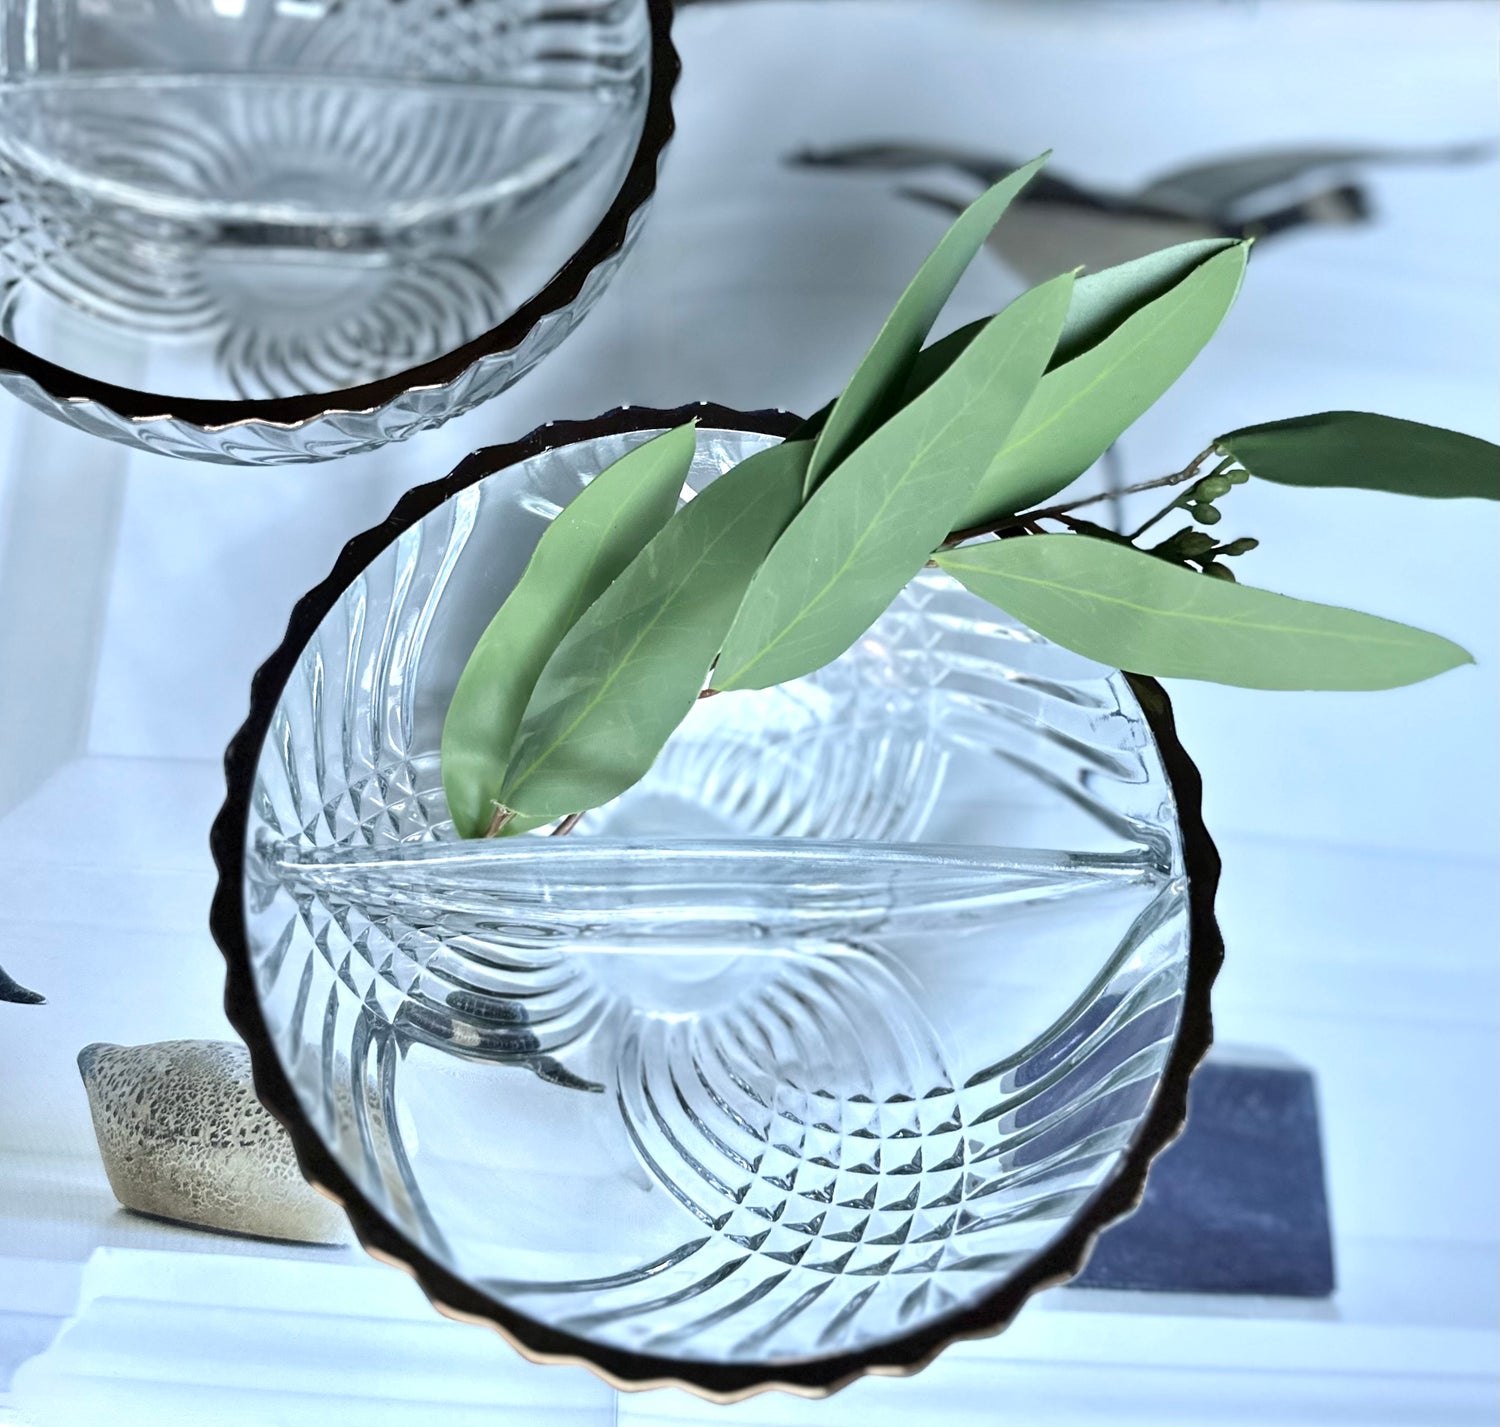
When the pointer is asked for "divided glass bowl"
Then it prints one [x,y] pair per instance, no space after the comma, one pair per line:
[255,231]
[832,1040]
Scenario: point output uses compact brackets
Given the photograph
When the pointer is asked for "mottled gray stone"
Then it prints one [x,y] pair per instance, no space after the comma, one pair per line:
[1238,1204]
[184,1137]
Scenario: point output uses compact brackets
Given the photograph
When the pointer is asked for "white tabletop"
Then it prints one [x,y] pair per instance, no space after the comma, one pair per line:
[138,594]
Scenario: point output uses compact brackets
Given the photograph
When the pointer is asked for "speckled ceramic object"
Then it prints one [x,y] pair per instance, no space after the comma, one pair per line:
[183,1137]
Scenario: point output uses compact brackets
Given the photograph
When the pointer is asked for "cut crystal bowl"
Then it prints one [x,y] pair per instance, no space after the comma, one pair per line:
[830,1041]
[255,232]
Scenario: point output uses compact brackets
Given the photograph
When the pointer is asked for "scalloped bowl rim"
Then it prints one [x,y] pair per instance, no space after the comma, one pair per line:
[722,1382]
[66,387]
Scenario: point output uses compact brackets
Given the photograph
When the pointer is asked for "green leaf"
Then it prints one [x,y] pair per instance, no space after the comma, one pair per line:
[595,536]
[1080,408]
[1377,453]
[861,405]
[1101,302]
[1105,299]
[630,670]
[935,359]
[1127,609]
[872,524]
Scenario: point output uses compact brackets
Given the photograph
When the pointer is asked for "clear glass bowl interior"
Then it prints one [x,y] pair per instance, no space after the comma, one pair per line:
[821,1032]
[247,199]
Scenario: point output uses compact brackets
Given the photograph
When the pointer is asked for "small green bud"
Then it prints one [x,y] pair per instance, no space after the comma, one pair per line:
[1237,477]
[1243,546]
[1207,514]
[1219,572]
[1211,488]
[1185,544]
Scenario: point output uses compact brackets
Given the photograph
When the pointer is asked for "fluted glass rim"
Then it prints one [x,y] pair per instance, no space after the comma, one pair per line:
[450,1294]
[67,387]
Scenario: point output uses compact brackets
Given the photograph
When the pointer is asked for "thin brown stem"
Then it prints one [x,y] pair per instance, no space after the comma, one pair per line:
[567,825]
[1011,525]
[1016,524]
[1160,515]
[1172,505]
[497,823]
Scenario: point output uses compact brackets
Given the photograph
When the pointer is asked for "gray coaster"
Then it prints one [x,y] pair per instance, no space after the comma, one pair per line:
[1237,1205]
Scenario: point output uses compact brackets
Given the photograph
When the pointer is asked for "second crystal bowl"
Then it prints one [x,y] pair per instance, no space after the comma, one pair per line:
[258,233]
[831,1041]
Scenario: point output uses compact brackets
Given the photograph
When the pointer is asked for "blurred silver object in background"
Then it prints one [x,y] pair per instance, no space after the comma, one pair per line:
[252,206]
[1060,223]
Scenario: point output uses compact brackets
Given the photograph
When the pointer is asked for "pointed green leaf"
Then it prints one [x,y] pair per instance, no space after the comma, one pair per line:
[1105,299]
[629,671]
[880,375]
[935,359]
[593,538]
[1080,408]
[1377,453]
[1130,610]
[1101,302]
[872,524]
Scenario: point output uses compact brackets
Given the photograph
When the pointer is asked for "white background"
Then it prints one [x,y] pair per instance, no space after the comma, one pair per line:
[138,594]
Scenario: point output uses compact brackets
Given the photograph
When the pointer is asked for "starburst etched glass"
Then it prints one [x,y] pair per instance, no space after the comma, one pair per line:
[254,232]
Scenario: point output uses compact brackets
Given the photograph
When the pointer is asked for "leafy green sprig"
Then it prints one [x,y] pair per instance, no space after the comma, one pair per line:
[633,607]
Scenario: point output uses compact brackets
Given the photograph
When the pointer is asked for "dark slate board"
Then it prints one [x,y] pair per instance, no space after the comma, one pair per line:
[1237,1205]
